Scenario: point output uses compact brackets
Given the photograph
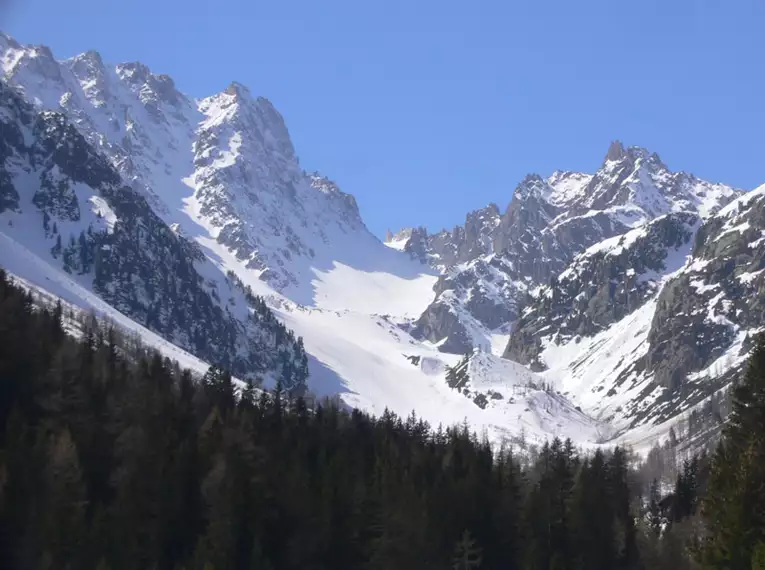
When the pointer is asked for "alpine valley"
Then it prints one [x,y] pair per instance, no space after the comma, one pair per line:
[604,307]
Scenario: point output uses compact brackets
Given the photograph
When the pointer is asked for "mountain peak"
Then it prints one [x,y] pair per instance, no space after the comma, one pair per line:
[90,56]
[152,89]
[236,89]
[402,235]
[567,187]
[8,40]
[87,66]
[492,208]
[134,71]
[43,51]
[531,178]
[637,183]
[615,151]
[532,185]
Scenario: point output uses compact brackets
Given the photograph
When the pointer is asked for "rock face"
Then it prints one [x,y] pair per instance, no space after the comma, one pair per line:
[715,302]
[439,323]
[467,242]
[603,284]
[250,188]
[472,300]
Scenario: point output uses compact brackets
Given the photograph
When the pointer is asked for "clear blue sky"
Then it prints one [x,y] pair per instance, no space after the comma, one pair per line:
[426,109]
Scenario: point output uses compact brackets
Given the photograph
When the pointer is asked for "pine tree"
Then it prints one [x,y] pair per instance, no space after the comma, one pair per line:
[84,253]
[113,458]
[64,521]
[686,490]
[467,556]
[627,555]
[758,556]
[654,511]
[735,502]
[56,249]
[593,520]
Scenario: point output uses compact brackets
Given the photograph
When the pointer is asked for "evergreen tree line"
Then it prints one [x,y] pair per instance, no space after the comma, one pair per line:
[111,460]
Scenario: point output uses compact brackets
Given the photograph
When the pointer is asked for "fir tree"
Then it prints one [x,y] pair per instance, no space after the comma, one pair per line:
[467,555]
[735,502]
[57,248]
[64,530]
[654,511]
[758,556]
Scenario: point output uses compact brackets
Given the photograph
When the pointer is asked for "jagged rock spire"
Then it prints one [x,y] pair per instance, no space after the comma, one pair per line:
[616,151]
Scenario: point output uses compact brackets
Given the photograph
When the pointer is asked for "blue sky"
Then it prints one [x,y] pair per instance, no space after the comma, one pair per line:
[426,109]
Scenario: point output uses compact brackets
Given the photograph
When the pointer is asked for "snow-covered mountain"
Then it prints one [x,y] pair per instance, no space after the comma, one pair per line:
[192,220]
[663,318]
[62,205]
[586,286]
[219,177]
[546,225]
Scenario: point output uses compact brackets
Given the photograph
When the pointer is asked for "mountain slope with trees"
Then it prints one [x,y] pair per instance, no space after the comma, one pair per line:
[115,459]
[70,207]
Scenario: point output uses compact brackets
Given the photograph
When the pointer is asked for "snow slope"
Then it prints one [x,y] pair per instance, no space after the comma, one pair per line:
[367,361]
[585,371]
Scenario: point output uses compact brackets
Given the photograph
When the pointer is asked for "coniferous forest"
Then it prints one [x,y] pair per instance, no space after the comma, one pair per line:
[113,458]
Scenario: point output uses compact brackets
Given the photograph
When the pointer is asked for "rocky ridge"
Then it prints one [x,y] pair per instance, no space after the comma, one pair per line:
[546,225]
[230,151]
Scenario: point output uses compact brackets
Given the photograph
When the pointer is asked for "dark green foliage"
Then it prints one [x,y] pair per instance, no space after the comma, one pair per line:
[481,401]
[686,490]
[9,198]
[735,501]
[467,556]
[758,557]
[56,198]
[57,249]
[654,518]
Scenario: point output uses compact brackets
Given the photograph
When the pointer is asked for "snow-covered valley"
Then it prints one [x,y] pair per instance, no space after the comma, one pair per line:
[555,301]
